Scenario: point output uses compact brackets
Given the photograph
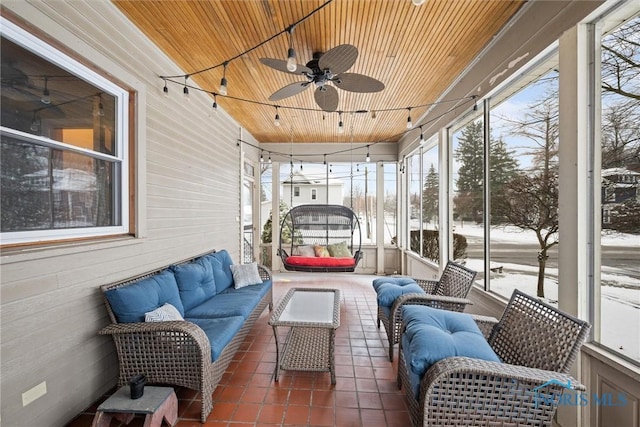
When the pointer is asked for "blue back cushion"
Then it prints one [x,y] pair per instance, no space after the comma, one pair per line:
[129,303]
[395,280]
[195,282]
[435,334]
[388,292]
[220,263]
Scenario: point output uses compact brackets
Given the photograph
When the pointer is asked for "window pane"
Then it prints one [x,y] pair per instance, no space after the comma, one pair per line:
[413,169]
[620,187]
[390,203]
[41,98]
[468,200]
[430,203]
[524,190]
[44,188]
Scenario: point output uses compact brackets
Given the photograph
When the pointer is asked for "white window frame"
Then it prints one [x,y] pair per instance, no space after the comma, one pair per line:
[314,194]
[30,42]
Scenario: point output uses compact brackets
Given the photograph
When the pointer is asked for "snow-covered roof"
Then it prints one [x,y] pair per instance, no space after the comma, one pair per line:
[618,171]
[301,178]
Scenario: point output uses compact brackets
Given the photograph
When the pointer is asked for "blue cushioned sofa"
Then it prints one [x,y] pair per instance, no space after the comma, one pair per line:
[193,352]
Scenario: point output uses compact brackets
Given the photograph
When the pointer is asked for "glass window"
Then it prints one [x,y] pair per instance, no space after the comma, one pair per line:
[620,192]
[468,200]
[314,194]
[413,169]
[430,204]
[523,180]
[63,149]
[390,171]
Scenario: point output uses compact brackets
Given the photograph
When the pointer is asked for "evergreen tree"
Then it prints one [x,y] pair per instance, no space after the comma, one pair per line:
[503,168]
[470,155]
[430,195]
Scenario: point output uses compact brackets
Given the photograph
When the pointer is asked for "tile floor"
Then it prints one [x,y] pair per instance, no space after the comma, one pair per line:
[365,394]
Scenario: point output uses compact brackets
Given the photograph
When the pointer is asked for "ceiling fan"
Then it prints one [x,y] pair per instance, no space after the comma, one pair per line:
[323,69]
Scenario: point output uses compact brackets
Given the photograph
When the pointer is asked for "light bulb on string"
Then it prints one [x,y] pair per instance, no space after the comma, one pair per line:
[35,125]
[421,137]
[325,159]
[165,89]
[475,104]
[185,90]
[269,160]
[215,104]
[373,114]
[340,123]
[223,81]
[368,158]
[45,93]
[300,165]
[409,121]
[291,53]
[276,120]
[261,157]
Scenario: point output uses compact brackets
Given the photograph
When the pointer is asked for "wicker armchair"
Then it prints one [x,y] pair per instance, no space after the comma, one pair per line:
[448,293]
[537,344]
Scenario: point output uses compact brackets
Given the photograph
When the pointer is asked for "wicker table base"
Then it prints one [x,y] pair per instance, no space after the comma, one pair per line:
[313,316]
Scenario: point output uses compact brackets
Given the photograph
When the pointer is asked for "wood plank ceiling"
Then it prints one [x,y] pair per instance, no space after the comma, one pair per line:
[416,51]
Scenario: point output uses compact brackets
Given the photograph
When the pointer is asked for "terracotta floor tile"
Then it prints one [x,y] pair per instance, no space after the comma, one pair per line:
[322,398]
[346,399]
[222,411]
[322,417]
[297,415]
[348,417]
[373,418]
[254,394]
[247,412]
[271,414]
[369,400]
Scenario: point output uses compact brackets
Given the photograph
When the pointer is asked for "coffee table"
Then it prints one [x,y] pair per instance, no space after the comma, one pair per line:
[313,316]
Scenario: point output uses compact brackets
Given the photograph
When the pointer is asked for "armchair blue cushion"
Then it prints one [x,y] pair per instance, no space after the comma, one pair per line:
[401,281]
[130,303]
[433,334]
[388,292]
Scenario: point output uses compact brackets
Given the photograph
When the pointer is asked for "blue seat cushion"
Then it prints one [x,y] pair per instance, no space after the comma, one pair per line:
[433,334]
[401,281]
[221,264]
[388,292]
[219,331]
[260,289]
[226,304]
[195,282]
[130,302]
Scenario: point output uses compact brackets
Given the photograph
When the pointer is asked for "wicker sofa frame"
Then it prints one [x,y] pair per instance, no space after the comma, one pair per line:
[448,293]
[537,344]
[177,352]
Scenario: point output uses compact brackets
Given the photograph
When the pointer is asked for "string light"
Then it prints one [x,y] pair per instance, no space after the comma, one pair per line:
[340,123]
[291,53]
[45,94]
[475,104]
[373,114]
[269,157]
[409,122]
[165,89]
[35,125]
[421,136]
[300,165]
[215,104]
[276,120]
[368,158]
[325,159]
[223,81]
[261,157]
[185,91]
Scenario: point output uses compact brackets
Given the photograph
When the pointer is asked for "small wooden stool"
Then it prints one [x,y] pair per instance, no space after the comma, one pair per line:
[157,402]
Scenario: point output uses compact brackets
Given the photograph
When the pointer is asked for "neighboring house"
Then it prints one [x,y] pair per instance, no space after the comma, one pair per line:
[618,186]
[311,191]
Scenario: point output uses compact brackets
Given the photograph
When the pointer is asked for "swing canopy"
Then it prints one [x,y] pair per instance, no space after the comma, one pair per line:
[320,238]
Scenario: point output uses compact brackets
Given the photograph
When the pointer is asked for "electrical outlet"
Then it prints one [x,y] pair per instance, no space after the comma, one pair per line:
[34,393]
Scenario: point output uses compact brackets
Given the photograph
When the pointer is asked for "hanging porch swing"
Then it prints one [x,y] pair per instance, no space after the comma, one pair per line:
[320,238]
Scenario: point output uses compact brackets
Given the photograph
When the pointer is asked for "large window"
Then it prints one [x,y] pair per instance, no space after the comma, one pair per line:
[390,171]
[63,167]
[619,302]
[523,179]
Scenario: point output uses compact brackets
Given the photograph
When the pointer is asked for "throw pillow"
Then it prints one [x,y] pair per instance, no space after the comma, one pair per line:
[165,313]
[304,250]
[245,275]
[321,251]
[340,250]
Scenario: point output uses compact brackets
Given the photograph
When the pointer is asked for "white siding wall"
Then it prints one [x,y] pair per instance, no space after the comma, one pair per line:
[187,201]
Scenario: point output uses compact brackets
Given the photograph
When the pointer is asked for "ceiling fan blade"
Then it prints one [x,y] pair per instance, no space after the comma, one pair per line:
[289,90]
[339,59]
[354,82]
[280,65]
[327,98]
